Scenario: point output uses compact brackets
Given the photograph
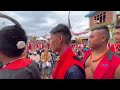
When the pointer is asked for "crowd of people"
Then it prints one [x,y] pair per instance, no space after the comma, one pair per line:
[41,52]
[59,57]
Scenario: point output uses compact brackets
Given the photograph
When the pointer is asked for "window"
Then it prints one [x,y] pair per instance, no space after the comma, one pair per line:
[118,19]
[104,13]
[104,17]
[100,18]
[95,19]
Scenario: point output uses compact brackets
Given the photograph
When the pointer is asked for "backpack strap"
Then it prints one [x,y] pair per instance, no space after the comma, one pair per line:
[77,58]
[109,55]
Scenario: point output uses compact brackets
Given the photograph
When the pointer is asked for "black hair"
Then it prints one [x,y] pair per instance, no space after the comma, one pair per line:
[9,37]
[117,26]
[105,28]
[64,30]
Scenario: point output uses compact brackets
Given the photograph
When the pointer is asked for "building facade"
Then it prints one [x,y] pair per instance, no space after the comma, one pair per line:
[100,17]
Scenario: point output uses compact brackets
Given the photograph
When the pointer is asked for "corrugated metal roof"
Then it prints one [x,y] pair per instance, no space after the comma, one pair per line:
[90,13]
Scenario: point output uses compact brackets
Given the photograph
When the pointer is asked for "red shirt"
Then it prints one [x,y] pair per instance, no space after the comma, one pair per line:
[29,46]
[107,66]
[65,62]
[18,64]
[37,45]
[114,47]
[43,45]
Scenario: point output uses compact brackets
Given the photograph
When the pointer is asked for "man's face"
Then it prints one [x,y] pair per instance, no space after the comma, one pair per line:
[54,43]
[94,39]
[117,35]
[46,49]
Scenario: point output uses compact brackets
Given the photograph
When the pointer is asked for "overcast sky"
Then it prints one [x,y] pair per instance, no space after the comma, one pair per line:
[41,22]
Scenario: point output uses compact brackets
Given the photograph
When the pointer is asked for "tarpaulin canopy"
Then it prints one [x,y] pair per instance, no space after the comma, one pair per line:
[41,38]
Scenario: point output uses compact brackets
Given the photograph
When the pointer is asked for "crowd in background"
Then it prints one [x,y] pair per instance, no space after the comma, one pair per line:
[42,54]
[59,57]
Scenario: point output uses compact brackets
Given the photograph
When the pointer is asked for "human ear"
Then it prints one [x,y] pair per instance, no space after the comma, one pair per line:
[103,37]
[60,38]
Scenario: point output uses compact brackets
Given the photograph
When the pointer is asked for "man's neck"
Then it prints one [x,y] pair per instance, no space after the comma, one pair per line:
[117,42]
[100,49]
[62,49]
[6,60]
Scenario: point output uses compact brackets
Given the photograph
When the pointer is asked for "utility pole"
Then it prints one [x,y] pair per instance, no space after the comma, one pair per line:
[69,24]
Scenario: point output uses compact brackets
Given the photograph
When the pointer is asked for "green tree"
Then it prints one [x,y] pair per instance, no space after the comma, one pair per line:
[35,37]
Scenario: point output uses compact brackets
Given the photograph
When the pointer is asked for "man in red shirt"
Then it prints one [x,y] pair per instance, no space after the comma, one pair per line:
[12,51]
[68,66]
[29,47]
[115,47]
[100,62]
